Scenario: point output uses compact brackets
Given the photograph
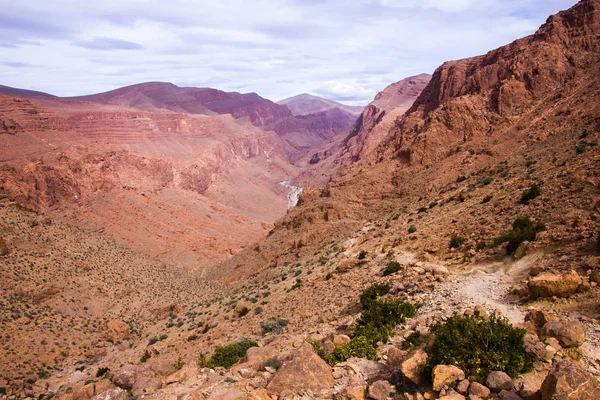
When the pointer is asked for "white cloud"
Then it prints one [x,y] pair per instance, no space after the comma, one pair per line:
[277,48]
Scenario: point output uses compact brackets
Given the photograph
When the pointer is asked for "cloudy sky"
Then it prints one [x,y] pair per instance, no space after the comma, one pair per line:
[346,50]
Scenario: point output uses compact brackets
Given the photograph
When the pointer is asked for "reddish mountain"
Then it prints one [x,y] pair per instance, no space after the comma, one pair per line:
[369,130]
[304,104]
[300,133]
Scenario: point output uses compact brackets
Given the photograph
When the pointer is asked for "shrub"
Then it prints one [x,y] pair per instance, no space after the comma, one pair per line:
[152,341]
[391,268]
[481,245]
[145,357]
[228,355]
[323,260]
[487,180]
[163,337]
[378,319]
[179,364]
[530,194]
[102,372]
[362,254]
[456,241]
[487,199]
[258,310]
[523,230]
[192,338]
[412,229]
[421,210]
[243,312]
[581,148]
[272,362]
[275,325]
[358,347]
[412,341]
[478,346]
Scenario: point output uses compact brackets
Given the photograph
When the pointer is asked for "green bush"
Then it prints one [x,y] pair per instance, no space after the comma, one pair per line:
[391,268]
[145,357]
[274,325]
[481,245]
[523,230]
[478,346]
[227,356]
[581,148]
[362,254]
[179,364]
[530,194]
[243,312]
[487,199]
[359,347]
[413,340]
[421,210]
[377,321]
[102,372]
[412,229]
[456,241]
[152,341]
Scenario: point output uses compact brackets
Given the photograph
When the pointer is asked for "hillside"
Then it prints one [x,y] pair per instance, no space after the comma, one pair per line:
[451,252]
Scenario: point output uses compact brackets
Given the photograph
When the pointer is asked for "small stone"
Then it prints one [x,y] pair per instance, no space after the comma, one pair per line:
[463,386]
[380,390]
[479,390]
[445,375]
[498,381]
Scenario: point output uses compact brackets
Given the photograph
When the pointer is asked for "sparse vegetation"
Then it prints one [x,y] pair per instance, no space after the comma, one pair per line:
[581,147]
[178,364]
[457,241]
[487,199]
[378,319]
[530,194]
[478,346]
[362,255]
[145,357]
[102,372]
[523,229]
[227,356]
[412,229]
[413,340]
[391,268]
[274,325]
[243,312]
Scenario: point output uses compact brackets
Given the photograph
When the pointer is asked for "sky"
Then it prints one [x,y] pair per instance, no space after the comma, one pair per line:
[344,50]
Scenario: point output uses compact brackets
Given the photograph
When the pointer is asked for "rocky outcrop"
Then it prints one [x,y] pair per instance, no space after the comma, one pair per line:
[569,334]
[568,381]
[549,285]
[445,375]
[303,371]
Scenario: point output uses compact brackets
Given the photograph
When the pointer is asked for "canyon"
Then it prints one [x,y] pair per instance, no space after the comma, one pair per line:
[150,230]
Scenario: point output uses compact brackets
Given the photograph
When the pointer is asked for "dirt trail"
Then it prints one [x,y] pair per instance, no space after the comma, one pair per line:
[489,285]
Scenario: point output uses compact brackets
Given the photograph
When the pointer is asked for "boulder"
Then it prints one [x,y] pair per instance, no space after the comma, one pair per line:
[498,381]
[445,375]
[529,384]
[395,356]
[182,375]
[569,334]
[549,285]
[534,347]
[379,390]
[370,370]
[463,386]
[340,340]
[569,381]
[146,385]
[539,318]
[117,330]
[355,391]
[479,390]
[112,394]
[411,367]
[126,377]
[303,371]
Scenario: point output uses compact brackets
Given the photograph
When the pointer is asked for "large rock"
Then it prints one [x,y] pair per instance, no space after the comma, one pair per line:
[411,367]
[184,374]
[534,346]
[539,318]
[569,334]
[445,375]
[304,371]
[117,330]
[549,285]
[355,391]
[127,376]
[529,384]
[498,381]
[568,381]
[112,394]
[369,370]
[508,395]
[379,390]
